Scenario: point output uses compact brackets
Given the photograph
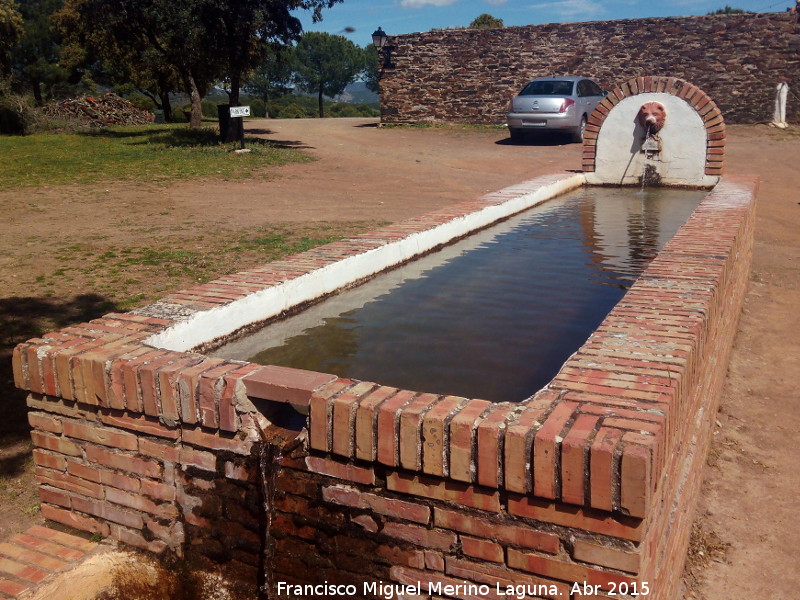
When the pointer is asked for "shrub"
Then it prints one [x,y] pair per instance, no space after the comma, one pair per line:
[258,108]
[373,109]
[181,114]
[306,104]
[209,109]
[344,110]
[17,114]
[10,121]
[143,102]
[291,111]
[43,123]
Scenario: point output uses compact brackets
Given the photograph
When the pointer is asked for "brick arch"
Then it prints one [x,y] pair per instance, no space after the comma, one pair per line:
[701,102]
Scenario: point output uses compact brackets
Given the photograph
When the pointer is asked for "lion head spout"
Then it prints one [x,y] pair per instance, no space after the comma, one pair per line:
[652,116]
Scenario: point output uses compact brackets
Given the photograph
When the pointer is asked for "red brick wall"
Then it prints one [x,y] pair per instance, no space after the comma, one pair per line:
[592,480]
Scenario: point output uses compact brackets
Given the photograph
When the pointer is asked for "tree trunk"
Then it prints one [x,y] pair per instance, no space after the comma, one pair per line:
[37,92]
[236,124]
[165,105]
[321,105]
[236,83]
[197,106]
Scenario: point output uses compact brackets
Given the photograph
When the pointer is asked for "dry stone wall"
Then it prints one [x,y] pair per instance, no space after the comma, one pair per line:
[469,76]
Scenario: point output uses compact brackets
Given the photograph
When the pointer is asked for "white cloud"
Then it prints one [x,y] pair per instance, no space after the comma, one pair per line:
[571,8]
[495,2]
[421,3]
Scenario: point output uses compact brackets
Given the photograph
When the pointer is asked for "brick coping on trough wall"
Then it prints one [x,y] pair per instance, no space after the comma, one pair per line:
[705,107]
[590,479]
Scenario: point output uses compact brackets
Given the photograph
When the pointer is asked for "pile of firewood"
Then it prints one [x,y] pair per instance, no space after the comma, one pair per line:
[99,111]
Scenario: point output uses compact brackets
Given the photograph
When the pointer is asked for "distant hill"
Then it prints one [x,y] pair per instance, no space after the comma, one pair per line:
[354,93]
[357,93]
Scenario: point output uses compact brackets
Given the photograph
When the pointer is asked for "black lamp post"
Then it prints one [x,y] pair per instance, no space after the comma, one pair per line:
[379,38]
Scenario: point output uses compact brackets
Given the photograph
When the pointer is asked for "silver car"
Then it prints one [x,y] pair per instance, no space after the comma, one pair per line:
[554,104]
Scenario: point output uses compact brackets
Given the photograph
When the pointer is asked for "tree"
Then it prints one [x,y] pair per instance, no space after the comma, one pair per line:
[241,31]
[326,63]
[203,40]
[113,56]
[145,71]
[486,21]
[37,56]
[149,38]
[372,68]
[729,10]
[10,32]
[273,76]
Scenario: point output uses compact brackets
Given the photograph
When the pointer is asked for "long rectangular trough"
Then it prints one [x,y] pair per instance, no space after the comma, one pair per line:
[584,490]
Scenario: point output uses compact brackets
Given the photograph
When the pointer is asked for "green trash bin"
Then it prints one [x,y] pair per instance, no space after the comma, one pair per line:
[159,116]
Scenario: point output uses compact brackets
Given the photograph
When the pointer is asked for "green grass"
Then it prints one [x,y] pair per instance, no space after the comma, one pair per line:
[134,275]
[147,153]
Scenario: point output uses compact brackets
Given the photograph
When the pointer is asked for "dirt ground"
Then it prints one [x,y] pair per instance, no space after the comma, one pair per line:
[745,545]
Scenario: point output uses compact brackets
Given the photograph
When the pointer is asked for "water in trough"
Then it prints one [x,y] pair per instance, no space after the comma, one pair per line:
[493,316]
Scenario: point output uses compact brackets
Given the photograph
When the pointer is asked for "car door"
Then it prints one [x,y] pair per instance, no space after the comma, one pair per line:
[585,101]
[595,94]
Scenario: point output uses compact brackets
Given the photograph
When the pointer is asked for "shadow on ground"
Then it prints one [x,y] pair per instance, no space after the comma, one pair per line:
[184,138]
[168,136]
[22,318]
[14,462]
[283,144]
[538,139]
[258,131]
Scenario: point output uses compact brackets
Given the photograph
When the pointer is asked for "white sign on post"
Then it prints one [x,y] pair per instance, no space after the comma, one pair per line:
[239,111]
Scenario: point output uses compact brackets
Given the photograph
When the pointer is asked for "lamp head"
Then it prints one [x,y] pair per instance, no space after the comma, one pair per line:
[379,39]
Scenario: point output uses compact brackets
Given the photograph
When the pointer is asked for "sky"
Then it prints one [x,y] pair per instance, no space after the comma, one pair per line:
[411,16]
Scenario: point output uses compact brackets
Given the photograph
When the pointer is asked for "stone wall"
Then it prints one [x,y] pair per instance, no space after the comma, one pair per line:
[469,76]
[590,482]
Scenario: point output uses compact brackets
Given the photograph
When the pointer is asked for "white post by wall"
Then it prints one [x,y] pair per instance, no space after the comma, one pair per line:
[781,94]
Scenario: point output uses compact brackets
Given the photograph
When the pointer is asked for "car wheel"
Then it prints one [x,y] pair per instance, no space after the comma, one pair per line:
[577,135]
[517,135]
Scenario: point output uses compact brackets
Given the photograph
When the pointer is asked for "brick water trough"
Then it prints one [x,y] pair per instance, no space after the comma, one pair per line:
[584,490]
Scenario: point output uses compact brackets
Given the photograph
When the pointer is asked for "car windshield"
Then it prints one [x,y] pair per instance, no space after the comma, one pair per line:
[547,88]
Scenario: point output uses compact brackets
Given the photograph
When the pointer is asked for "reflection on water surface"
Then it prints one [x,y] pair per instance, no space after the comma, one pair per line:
[493,316]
